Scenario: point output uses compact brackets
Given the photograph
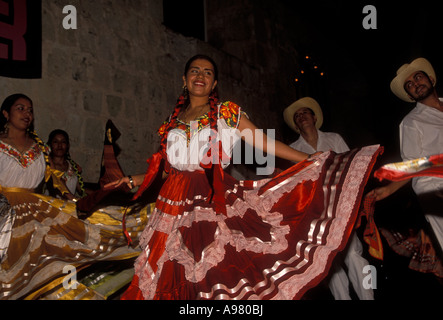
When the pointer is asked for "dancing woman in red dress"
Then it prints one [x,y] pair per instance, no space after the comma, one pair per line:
[214,237]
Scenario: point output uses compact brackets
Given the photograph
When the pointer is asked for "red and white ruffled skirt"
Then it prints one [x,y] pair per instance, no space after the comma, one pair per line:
[276,240]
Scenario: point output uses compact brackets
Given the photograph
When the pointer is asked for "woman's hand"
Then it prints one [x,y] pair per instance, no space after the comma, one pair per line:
[118,183]
[69,196]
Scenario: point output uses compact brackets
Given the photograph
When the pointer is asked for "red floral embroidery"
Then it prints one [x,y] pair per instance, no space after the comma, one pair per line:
[229,111]
[25,159]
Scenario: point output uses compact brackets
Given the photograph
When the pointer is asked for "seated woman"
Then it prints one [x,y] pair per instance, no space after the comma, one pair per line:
[41,238]
[60,159]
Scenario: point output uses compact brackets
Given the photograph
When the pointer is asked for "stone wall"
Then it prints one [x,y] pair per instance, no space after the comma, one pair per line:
[122,63]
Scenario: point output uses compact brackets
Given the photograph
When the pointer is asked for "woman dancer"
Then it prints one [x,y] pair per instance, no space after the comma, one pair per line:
[41,239]
[213,237]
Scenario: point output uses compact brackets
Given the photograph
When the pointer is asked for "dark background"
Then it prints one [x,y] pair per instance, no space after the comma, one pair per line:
[357,102]
[359,64]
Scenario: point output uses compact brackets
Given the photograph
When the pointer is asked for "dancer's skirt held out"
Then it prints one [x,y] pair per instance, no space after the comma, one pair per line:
[45,242]
[275,240]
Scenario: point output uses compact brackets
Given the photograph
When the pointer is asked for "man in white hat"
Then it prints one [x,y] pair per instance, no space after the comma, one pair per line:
[305,117]
[421,135]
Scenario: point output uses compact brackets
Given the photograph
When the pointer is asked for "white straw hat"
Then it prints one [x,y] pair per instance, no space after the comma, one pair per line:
[307,102]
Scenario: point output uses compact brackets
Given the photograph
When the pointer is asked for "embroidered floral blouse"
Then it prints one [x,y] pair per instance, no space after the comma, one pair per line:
[21,170]
[188,142]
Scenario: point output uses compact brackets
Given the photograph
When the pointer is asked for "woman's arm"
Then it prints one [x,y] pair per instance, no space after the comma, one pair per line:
[136,181]
[260,140]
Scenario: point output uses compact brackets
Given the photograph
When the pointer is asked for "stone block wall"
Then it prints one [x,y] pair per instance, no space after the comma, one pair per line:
[123,64]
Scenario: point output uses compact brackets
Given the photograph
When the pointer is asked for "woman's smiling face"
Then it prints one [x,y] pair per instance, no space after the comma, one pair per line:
[200,78]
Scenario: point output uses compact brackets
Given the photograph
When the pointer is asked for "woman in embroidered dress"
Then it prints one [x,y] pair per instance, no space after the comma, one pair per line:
[60,159]
[213,237]
[39,235]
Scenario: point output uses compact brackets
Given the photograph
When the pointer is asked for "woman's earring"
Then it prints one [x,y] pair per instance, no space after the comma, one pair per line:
[6,128]
[185,91]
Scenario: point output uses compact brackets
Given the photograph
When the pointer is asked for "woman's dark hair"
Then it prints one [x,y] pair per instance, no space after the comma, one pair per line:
[204,57]
[6,106]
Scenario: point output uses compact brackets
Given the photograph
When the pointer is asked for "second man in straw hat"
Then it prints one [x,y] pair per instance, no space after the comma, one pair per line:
[305,117]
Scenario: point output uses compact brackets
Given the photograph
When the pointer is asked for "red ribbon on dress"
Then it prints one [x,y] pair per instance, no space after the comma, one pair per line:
[371,235]
[125,231]
[153,166]
[212,163]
